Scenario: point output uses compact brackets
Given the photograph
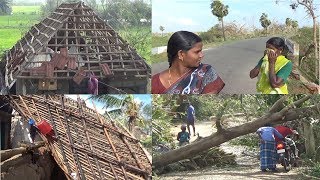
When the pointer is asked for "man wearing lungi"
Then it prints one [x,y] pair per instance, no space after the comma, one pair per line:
[268,151]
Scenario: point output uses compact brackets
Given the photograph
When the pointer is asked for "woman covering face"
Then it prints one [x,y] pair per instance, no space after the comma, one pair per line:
[273,68]
[186,74]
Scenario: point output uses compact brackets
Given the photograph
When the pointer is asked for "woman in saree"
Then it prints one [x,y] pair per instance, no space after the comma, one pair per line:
[273,68]
[186,74]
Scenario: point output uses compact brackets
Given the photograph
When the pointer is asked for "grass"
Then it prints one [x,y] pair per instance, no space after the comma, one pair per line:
[157,58]
[25,9]
[160,40]
[17,20]
[8,37]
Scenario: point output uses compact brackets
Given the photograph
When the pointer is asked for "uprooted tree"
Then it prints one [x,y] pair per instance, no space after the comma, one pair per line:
[278,113]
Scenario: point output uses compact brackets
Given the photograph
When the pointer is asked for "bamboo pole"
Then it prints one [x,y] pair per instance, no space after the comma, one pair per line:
[110,142]
[6,154]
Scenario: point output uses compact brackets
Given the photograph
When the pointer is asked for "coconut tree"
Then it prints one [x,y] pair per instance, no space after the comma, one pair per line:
[294,24]
[161,29]
[288,23]
[122,104]
[220,10]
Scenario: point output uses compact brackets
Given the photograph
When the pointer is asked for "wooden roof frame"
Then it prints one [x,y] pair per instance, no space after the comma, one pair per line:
[87,144]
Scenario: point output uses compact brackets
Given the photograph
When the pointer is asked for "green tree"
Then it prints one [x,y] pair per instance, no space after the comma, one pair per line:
[265,22]
[260,109]
[288,23]
[50,5]
[119,13]
[310,9]
[5,7]
[294,24]
[161,119]
[220,10]
[123,105]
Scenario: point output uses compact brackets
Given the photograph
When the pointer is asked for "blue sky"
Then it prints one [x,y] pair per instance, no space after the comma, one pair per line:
[195,15]
[145,98]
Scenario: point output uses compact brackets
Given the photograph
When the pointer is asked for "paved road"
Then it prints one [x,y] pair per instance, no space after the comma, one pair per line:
[233,62]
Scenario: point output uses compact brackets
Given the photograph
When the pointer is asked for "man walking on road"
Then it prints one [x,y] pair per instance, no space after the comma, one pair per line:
[191,118]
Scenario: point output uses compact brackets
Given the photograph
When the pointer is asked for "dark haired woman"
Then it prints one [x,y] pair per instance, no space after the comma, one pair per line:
[273,69]
[186,74]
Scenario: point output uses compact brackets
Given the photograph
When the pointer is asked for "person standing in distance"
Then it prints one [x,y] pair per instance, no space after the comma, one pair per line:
[191,118]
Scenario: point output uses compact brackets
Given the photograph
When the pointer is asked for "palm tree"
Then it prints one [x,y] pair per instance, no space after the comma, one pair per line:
[289,23]
[265,22]
[220,10]
[5,7]
[294,24]
[161,29]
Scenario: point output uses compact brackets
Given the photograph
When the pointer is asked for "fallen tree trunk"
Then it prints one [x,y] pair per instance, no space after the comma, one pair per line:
[289,113]
[6,154]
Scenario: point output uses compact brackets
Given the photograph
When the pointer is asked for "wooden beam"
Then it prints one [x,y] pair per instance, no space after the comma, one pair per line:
[110,142]
[8,153]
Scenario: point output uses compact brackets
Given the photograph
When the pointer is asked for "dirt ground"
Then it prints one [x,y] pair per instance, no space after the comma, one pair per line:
[247,168]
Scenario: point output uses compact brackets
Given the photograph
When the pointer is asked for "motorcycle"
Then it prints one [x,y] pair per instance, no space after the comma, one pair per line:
[286,155]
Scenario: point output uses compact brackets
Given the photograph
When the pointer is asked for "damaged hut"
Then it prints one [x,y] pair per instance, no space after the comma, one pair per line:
[84,144]
[71,47]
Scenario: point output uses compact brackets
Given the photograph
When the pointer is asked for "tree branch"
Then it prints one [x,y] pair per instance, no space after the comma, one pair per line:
[218,125]
[277,106]
[220,113]
[295,104]
[309,7]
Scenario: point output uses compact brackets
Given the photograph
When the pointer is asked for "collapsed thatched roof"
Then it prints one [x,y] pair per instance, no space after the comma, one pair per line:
[87,144]
[73,39]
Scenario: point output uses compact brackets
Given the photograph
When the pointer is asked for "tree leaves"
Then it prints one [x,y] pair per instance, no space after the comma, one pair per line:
[218,9]
[265,22]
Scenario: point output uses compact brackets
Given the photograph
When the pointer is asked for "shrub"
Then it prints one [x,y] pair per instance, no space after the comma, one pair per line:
[249,140]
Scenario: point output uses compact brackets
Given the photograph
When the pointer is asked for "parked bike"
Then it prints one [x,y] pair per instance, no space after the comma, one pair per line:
[286,156]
